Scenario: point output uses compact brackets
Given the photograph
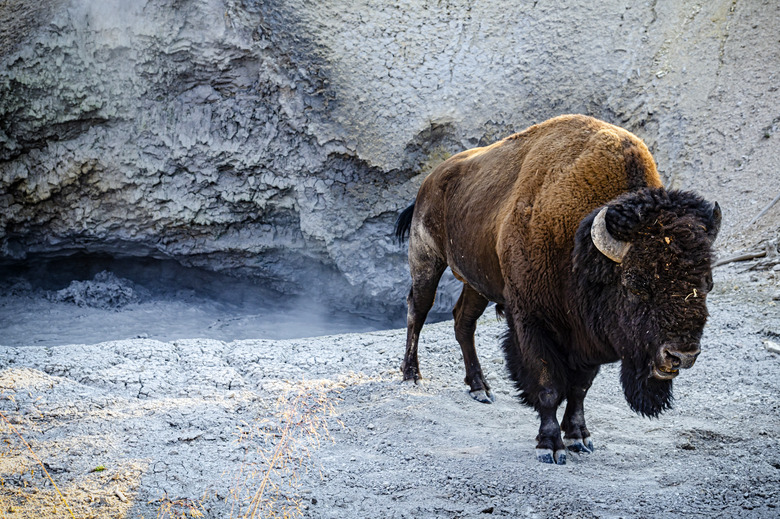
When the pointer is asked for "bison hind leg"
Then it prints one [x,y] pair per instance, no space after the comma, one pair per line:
[467,310]
[426,271]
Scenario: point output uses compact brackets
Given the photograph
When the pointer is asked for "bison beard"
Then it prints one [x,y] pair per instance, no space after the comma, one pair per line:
[645,395]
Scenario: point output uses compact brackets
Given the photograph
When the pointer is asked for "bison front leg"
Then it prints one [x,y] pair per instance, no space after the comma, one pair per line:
[576,434]
[549,446]
[525,346]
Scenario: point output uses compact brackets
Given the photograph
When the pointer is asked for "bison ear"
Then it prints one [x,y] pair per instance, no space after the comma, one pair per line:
[607,244]
[713,226]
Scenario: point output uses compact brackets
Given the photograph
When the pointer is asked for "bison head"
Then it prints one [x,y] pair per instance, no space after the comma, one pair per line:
[651,267]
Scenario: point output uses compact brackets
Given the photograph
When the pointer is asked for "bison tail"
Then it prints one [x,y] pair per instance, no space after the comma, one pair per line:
[404,223]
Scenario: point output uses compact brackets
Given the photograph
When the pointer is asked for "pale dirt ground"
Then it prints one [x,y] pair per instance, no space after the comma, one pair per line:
[184,425]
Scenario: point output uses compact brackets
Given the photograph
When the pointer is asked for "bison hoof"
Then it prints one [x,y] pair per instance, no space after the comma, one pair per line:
[584,445]
[411,374]
[483,395]
[548,456]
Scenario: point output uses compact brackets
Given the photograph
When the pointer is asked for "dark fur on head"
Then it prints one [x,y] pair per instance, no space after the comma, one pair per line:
[656,296]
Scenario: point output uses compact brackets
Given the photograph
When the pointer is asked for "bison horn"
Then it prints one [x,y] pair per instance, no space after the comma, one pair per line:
[604,242]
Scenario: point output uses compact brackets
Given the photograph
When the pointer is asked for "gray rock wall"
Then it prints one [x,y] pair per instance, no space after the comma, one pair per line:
[280,139]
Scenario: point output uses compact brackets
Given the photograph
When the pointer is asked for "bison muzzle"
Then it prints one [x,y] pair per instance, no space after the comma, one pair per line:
[566,226]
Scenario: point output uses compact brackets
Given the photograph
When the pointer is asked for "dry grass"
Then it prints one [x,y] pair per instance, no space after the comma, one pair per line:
[179,508]
[26,491]
[29,490]
[279,451]
[40,464]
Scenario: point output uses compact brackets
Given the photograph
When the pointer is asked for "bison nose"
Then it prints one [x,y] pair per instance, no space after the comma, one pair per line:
[679,359]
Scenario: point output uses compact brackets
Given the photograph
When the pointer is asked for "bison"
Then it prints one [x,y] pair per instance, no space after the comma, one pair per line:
[567,227]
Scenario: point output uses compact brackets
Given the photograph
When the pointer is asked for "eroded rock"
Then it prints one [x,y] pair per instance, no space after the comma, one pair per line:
[280,139]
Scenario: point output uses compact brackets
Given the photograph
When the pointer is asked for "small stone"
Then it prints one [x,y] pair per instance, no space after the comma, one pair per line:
[772,346]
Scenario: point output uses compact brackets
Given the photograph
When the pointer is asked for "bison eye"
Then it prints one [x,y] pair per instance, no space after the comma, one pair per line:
[637,285]
[644,296]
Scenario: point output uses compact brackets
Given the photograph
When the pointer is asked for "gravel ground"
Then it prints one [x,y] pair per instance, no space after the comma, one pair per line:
[146,428]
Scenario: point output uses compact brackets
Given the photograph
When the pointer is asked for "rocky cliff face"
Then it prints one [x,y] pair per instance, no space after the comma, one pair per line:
[280,139]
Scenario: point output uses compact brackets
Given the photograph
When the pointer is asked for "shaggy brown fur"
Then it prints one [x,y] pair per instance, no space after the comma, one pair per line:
[504,219]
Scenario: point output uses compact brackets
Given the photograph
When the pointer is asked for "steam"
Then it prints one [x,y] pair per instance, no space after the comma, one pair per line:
[90,299]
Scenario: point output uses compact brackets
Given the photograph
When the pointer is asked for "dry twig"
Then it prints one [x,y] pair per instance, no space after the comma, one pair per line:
[764,211]
[743,256]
